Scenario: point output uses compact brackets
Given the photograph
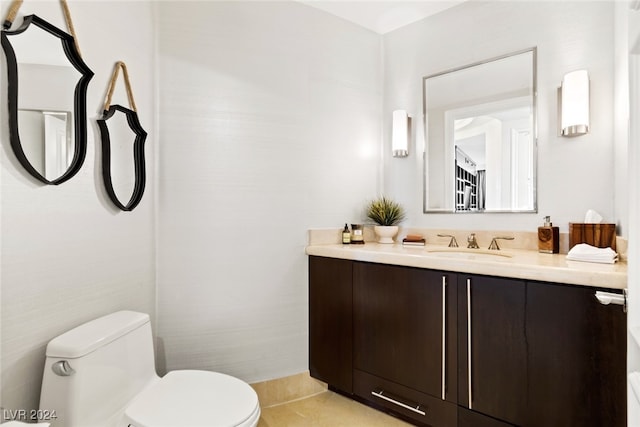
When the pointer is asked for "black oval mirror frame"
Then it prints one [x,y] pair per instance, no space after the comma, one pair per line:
[138,156]
[80,98]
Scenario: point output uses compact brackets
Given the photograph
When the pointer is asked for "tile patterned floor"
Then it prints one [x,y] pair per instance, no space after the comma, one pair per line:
[326,409]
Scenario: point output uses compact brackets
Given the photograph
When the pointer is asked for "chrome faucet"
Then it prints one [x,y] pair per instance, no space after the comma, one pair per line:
[473,243]
[453,243]
[494,243]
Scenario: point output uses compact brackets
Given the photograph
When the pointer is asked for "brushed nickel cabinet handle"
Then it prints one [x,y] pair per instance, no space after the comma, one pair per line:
[469,340]
[416,409]
[444,337]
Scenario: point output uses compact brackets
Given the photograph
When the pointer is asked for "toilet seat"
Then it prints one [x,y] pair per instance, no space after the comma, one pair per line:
[195,399]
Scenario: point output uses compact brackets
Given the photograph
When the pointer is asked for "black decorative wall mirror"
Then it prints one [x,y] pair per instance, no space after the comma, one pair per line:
[47,91]
[122,173]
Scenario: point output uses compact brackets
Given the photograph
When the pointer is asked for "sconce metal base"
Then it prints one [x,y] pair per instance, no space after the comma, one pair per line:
[400,153]
[575,130]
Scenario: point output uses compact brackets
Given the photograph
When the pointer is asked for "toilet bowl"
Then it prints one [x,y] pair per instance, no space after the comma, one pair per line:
[101,374]
[199,395]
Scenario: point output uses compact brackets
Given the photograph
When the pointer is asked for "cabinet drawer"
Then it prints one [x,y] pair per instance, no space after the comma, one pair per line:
[421,408]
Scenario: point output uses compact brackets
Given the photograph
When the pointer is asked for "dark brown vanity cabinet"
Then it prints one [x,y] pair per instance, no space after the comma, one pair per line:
[576,358]
[330,321]
[492,347]
[404,340]
[453,349]
[539,354]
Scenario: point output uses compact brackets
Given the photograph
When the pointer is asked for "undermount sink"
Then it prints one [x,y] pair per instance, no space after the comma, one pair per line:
[472,254]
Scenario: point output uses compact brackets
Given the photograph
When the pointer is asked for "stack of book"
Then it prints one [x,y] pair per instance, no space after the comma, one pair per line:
[413,240]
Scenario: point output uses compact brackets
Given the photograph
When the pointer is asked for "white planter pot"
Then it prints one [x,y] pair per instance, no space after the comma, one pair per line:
[385,233]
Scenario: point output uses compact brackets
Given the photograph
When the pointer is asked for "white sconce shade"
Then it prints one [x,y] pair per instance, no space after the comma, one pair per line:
[400,135]
[575,104]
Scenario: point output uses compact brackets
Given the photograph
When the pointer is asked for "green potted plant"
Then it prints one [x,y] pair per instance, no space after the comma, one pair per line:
[387,214]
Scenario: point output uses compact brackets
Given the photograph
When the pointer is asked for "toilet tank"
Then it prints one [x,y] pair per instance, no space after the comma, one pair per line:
[93,371]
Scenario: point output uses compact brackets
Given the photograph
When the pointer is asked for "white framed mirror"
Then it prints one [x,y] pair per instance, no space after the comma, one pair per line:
[480,136]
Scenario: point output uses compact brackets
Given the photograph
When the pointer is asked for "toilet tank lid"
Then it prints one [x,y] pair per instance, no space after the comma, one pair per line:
[92,335]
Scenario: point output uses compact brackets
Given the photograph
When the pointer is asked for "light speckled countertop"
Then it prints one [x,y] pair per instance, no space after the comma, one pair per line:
[519,264]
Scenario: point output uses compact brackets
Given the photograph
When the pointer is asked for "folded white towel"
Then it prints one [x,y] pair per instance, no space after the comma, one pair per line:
[588,253]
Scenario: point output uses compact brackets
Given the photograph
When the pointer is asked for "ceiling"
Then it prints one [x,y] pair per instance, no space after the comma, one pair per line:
[382,16]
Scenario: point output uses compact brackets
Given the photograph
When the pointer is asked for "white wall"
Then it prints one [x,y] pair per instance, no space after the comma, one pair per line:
[270,126]
[628,32]
[66,254]
[574,174]
[622,177]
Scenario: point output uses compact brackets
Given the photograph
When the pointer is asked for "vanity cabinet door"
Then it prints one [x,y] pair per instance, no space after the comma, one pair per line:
[577,358]
[399,329]
[492,347]
[330,321]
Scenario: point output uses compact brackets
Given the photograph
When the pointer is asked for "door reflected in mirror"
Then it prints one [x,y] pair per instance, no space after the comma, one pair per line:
[47,140]
[480,151]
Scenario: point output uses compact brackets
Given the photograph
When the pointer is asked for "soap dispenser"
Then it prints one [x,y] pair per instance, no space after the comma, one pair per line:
[548,237]
[346,235]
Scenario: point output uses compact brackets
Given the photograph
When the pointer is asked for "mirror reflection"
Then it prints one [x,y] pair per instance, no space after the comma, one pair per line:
[47,99]
[46,88]
[122,139]
[47,140]
[480,151]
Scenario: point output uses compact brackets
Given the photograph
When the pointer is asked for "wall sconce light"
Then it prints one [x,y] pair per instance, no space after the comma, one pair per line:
[574,104]
[400,134]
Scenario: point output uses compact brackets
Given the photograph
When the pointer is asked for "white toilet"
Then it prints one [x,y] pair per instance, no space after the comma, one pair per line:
[102,374]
